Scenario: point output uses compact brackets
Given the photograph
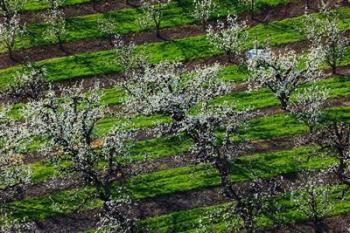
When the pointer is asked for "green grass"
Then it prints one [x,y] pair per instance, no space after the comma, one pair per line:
[35,5]
[97,63]
[174,180]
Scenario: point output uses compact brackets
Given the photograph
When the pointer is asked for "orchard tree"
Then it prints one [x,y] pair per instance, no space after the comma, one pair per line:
[325,31]
[14,135]
[55,4]
[28,84]
[11,8]
[69,124]
[284,72]
[131,61]
[330,134]
[108,28]
[203,9]
[152,16]
[56,25]
[229,37]
[10,29]
[313,199]
[242,214]
[251,4]
[168,89]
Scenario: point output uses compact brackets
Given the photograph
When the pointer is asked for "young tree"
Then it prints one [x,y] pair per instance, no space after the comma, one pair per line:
[28,84]
[69,124]
[56,24]
[284,72]
[132,62]
[331,135]
[108,28]
[251,5]
[153,15]
[313,200]
[168,89]
[253,201]
[325,31]
[10,29]
[228,37]
[11,8]
[13,175]
[203,9]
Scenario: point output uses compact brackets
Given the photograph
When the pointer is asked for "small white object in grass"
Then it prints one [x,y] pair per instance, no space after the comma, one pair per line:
[252,53]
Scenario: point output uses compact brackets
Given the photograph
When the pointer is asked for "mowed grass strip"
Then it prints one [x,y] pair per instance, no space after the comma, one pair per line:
[191,48]
[174,180]
[177,13]
[36,5]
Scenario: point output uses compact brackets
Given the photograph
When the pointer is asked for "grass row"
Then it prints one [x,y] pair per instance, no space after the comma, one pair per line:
[174,180]
[178,12]
[103,62]
[36,5]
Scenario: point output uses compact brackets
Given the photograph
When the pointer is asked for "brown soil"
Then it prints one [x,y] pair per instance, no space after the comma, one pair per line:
[337,224]
[295,8]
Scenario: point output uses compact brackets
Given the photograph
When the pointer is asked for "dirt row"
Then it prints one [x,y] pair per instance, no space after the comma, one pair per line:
[292,9]
[180,201]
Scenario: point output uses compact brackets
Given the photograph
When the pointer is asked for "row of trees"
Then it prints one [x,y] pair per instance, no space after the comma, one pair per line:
[12,29]
[68,124]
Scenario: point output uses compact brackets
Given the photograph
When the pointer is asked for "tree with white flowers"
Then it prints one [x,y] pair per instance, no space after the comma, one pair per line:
[283,72]
[56,24]
[313,199]
[10,30]
[324,30]
[168,89]
[330,134]
[10,27]
[229,36]
[128,58]
[13,175]
[10,8]
[251,4]
[203,9]
[28,84]
[108,29]
[153,12]
[69,126]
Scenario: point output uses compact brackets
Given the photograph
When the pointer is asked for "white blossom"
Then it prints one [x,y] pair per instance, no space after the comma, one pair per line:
[229,37]
[10,29]
[152,16]
[167,88]
[203,9]
[56,25]
[283,72]
[324,30]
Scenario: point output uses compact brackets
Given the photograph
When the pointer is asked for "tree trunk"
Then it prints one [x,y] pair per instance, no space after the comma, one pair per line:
[284,100]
